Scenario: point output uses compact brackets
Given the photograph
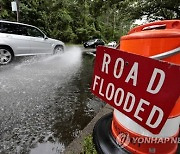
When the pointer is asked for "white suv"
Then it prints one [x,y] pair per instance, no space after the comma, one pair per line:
[17,39]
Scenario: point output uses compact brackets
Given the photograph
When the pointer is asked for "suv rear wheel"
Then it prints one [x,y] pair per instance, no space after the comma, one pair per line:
[6,56]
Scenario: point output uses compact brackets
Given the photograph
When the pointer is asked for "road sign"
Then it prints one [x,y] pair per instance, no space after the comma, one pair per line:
[143,89]
[14,6]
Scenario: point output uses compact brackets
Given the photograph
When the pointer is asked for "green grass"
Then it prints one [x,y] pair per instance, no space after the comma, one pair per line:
[88,145]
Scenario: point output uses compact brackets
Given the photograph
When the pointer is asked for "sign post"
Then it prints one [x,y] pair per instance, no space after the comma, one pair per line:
[15,8]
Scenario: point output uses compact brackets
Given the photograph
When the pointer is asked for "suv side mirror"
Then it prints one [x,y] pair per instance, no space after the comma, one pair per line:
[45,37]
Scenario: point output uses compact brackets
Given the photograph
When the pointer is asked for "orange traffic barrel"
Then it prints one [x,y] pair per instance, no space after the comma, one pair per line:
[158,40]
[118,134]
[153,39]
[141,141]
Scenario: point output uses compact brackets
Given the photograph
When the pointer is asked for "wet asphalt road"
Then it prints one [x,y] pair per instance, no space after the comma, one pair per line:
[45,102]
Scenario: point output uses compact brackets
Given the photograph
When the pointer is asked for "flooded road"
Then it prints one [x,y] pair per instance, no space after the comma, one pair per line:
[45,102]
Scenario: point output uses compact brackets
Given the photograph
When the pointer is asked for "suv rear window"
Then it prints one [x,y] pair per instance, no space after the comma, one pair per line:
[7,28]
[11,28]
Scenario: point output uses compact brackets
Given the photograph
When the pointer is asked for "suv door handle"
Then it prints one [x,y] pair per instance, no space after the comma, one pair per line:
[9,36]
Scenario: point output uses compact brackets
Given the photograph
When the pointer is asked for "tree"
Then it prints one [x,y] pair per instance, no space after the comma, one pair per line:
[154,9]
[80,20]
[5,12]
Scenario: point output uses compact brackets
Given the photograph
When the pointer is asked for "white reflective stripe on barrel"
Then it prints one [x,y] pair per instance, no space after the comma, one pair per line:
[170,128]
[166,54]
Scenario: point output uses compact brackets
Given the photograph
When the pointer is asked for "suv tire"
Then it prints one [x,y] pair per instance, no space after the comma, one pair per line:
[6,55]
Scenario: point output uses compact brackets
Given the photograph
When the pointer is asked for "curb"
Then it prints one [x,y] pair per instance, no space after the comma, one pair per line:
[76,146]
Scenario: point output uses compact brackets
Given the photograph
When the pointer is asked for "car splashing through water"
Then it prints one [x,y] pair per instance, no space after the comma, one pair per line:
[45,102]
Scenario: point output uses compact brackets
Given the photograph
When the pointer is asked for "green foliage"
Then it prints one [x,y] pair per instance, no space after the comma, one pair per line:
[5,12]
[80,20]
[88,146]
[157,9]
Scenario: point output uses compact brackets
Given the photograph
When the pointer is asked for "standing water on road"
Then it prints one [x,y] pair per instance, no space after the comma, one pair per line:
[45,102]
